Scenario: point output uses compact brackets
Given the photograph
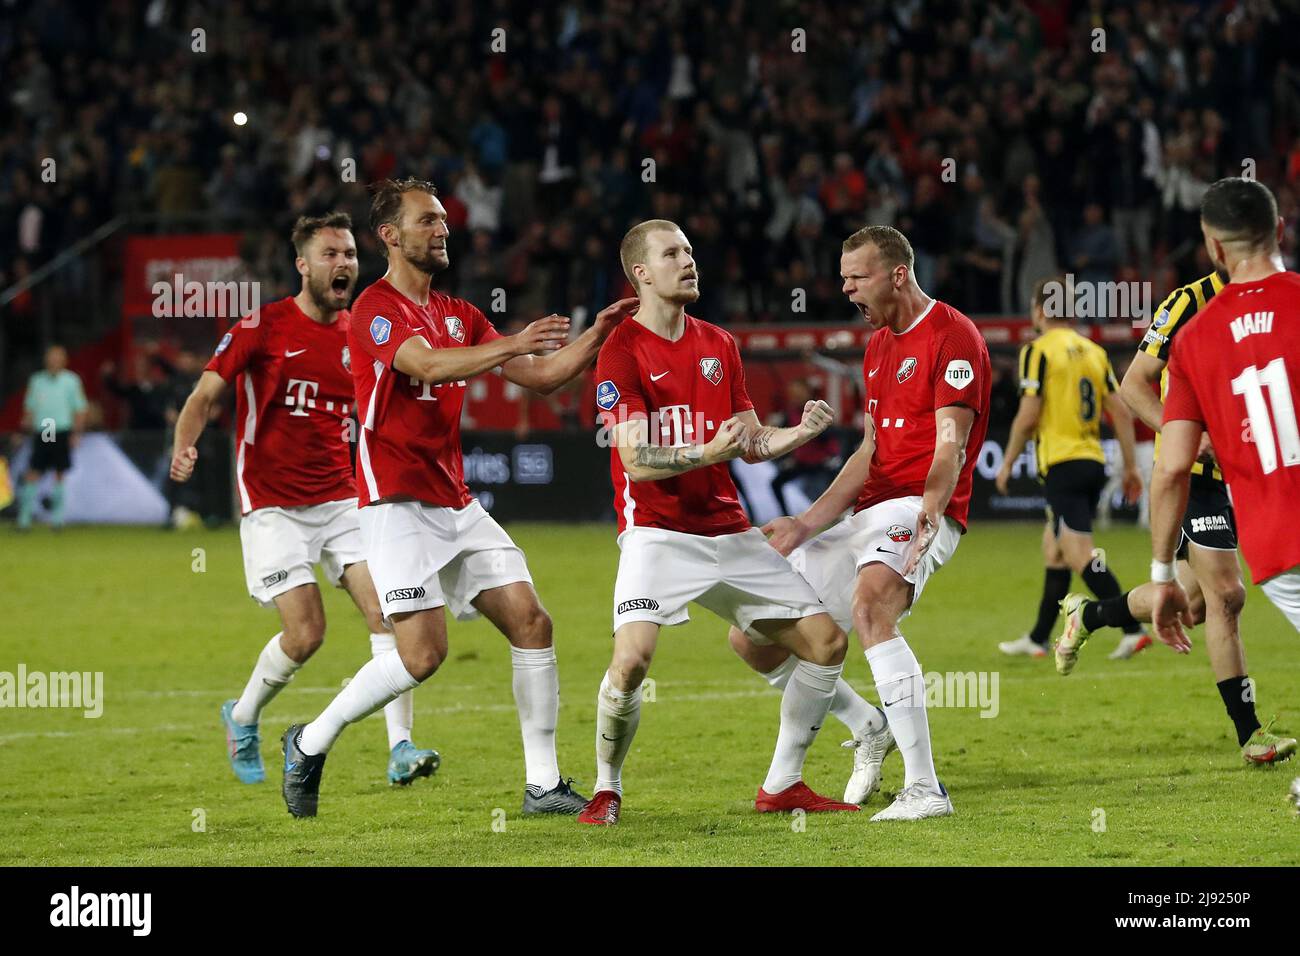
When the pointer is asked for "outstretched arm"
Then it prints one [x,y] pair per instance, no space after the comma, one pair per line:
[544,374]
[415,357]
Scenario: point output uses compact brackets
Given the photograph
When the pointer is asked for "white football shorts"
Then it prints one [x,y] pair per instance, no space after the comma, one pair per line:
[282,544]
[423,556]
[739,577]
[882,534]
[1284,591]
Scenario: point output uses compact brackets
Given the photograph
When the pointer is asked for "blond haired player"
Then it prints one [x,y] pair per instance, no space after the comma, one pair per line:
[671,392]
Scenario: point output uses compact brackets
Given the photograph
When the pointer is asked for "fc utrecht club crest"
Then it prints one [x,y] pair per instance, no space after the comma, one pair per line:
[898,532]
[455,328]
[906,369]
[347,359]
[711,369]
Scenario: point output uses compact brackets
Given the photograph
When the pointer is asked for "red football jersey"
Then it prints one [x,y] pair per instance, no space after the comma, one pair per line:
[686,390]
[1236,370]
[940,360]
[409,445]
[293,392]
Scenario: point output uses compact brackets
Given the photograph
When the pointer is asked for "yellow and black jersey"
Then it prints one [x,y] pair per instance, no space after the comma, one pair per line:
[1073,375]
[1178,308]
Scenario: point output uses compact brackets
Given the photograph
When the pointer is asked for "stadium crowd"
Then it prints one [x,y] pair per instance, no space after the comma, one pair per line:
[996,136]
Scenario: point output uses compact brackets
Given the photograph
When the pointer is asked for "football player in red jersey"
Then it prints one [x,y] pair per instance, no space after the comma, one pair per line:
[289,365]
[1234,379]
[429,544]
[1234,374]
[1208,566]
[671,396]
[927,379]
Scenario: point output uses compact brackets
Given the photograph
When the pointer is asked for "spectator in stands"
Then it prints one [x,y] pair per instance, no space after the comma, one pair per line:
[1095,250]
[149,398]
[774,145]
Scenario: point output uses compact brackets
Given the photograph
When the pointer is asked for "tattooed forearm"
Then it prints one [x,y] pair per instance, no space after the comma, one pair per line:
[760,444]
[667,459]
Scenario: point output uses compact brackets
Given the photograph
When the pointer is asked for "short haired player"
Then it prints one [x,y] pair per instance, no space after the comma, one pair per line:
[671,392]
[1234,375]
[430,546]
[1208,565]
[289,365]
[1066,380]
[927,377]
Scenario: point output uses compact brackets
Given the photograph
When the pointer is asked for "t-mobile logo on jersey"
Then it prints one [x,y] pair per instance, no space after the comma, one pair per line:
[886,422]
[301,395]
[675,427]
[302,402]
[426,393]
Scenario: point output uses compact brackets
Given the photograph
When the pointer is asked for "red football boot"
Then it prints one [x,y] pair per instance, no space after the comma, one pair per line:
[602,809]
[798,796]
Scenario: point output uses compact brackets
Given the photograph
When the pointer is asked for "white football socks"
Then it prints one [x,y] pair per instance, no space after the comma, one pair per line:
[617,715]
[804,705]
[902,694]
[380,680]
[399,714]
[274,669]
[536,684]
[848,706]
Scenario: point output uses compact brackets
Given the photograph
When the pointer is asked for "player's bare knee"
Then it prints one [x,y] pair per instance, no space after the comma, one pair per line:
[1078,561]
[628,669]
[421,662]
[534,629]
[303,638]
[1231,598]
[1234,597]
[827,646]
[375,620]
[873,624]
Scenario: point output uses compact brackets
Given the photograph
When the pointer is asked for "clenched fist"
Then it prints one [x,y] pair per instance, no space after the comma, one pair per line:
[730,441]
[183,464]
[817,417]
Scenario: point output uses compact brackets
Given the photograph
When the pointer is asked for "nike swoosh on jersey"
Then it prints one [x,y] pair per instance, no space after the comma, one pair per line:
[873,371]
[655,378]
[288,354]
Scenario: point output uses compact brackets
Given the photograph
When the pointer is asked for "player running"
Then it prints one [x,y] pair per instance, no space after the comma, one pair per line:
[430,545]
[289,365]
[927,378]
[1207,550]
[1065,379]
[1231,375]
[671,392]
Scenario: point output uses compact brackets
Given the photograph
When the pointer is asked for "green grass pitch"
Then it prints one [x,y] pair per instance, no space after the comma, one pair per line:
[1122,763]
